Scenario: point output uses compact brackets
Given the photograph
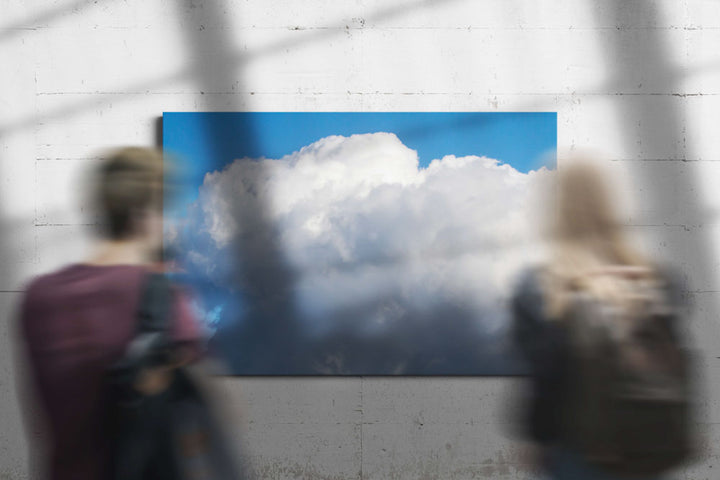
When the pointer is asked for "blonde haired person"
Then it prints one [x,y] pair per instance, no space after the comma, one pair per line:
[589,252]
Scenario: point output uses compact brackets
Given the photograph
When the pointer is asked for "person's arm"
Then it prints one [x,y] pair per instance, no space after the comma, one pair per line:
[188,345]
[528,320]
[32,410]
[543,345]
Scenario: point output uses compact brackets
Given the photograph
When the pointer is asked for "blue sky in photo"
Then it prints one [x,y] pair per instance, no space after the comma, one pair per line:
[207,141]
[252,343]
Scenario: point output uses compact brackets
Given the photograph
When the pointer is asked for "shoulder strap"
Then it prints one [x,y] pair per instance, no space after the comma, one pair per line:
[155,304]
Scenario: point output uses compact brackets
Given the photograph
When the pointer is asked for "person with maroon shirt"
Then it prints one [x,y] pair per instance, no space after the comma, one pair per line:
[77,322]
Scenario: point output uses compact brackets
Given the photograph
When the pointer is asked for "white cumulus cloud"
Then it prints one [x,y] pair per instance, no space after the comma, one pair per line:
[363,225]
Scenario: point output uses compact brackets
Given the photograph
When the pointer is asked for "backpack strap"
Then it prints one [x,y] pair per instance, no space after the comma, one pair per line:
[151,345]
[155,304]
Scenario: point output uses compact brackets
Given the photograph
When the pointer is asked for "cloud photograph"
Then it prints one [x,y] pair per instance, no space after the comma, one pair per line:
[357,243]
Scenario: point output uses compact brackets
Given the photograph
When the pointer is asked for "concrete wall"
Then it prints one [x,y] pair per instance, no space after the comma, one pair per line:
[637,79]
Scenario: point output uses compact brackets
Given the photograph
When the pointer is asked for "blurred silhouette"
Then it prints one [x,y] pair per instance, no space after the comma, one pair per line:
[610,394]
[111,319]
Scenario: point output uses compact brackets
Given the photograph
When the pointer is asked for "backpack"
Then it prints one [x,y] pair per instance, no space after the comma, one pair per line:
[172,435]
[628,404]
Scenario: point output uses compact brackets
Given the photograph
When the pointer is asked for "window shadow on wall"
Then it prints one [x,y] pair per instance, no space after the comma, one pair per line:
[659,120]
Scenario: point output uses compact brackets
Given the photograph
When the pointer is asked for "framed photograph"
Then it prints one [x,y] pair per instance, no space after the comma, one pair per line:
[356,243]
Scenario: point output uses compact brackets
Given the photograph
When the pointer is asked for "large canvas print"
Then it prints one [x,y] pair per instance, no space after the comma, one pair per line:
[356,243]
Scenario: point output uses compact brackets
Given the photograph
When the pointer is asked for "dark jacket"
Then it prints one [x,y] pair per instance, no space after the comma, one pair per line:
[76,323]
[544,347]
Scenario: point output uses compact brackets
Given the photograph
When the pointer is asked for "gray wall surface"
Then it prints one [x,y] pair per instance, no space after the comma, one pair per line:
[638,80]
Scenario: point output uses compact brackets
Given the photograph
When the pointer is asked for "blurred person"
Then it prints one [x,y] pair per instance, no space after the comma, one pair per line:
[78,321]
[597,325]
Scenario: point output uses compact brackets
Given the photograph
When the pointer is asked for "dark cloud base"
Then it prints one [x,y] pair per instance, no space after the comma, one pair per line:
[444,341]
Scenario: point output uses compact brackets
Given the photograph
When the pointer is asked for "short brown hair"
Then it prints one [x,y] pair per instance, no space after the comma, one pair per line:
[129,182]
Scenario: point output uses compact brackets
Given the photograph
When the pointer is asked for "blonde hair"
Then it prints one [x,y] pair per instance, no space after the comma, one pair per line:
[586,238]
[129,182]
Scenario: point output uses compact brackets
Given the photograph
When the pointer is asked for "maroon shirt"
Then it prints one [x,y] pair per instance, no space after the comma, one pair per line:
[76,323]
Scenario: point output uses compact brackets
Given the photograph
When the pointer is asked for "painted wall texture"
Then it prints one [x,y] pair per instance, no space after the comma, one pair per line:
[638,80]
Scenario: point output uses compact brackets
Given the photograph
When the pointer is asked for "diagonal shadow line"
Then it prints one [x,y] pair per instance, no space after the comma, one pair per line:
[45,17]
[238,60]
[654,128]
[259,266]
[225,57]
[146,87]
